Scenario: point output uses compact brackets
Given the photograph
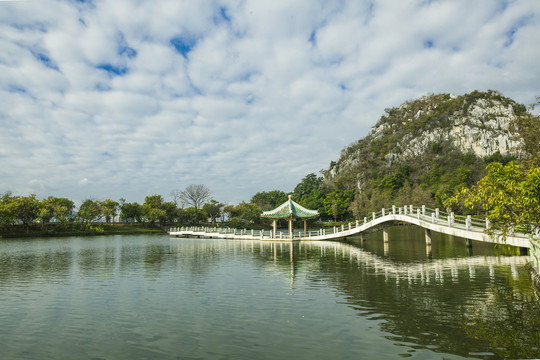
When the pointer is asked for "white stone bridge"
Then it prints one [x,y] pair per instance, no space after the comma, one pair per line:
[467,227]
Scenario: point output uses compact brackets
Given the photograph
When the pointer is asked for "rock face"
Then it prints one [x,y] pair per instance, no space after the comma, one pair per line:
[471,132]
[479,124]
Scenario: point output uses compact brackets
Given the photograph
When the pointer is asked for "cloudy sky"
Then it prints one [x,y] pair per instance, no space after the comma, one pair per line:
[131,98]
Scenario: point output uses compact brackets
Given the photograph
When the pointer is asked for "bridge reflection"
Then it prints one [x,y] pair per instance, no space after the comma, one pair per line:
[298,255]
[446,304]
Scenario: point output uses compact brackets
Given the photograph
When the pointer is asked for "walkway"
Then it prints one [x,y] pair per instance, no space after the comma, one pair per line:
[429,219]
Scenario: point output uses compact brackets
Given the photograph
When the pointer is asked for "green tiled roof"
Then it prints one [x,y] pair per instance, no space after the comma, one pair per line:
[290,209]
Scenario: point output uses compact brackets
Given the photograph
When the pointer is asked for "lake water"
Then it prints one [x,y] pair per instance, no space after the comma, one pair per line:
[155,297]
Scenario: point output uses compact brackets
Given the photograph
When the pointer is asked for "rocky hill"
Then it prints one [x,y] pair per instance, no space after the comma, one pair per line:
[425,148]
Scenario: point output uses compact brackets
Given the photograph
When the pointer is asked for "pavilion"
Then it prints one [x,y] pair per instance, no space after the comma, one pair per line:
[290,210]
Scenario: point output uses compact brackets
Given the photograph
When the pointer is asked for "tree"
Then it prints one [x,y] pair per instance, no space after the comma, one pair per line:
[195,195]
[153,209]
[268,200]
[109,208]
[360,206]
[131,212]
[25,209]
[244,214]
[509,195]
[177,198]
[171,211]
[528,127]
[338,203]
[90,211]
[193,216]
[214,210]
[308,192]
[56,208]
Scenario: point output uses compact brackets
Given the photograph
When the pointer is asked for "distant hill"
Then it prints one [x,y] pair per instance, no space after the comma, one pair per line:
[421,151]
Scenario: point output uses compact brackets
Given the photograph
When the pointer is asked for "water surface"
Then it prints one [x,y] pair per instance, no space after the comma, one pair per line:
[151,297]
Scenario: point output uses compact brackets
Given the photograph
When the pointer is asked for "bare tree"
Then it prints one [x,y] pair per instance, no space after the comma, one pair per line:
[177,198]
[196,195]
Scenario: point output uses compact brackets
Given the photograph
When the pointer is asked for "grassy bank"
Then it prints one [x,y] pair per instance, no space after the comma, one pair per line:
[51,230]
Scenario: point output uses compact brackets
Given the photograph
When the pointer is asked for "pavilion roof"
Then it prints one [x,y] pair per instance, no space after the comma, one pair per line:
[290,209]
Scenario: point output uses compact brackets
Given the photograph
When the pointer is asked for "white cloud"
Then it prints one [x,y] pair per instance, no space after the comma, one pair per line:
[247,96]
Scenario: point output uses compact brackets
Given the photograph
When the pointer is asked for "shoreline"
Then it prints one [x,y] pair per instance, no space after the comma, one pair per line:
[95,230]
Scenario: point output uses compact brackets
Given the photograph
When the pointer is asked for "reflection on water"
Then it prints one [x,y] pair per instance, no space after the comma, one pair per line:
[155,297]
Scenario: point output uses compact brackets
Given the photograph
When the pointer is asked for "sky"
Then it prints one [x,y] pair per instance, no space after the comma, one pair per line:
[124,99]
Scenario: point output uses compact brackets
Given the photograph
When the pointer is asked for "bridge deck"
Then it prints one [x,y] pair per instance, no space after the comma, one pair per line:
[468,228]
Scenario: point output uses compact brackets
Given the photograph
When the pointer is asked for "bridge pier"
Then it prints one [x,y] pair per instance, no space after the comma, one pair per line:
[427,232]
[385,235]
[468,243]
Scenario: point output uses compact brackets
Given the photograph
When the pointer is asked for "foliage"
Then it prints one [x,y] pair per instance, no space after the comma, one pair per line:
[248,212]
[498,157]
[56,208]
[192,216]
[7,217]
[25,208]
[131,212]
[90,211]
[395,182]
[109,208]
[528,127]
[268,200]
[213,210]
[509,195]
[53,211]
[337,204]
[155,209]
[308,192]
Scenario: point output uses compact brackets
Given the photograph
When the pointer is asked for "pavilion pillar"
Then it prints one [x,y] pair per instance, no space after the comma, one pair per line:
[305,227]
[274,226]
[290,227]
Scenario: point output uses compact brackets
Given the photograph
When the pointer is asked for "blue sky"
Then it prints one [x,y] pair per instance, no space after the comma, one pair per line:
[126,99]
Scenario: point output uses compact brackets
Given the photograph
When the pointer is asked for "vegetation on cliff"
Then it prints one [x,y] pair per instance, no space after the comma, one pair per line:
[426,149]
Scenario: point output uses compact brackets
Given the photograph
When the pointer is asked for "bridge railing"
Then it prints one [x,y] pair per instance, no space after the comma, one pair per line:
[435,216]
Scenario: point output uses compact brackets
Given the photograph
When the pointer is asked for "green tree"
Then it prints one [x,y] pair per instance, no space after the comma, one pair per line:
[131,212]
[109,208]
[171,211]
[397,180]
[153,209]
[337,204]
[214,210]
[90,211]
[509,195]
[268,200]
[24,209]
[360,206]
[243,215]
[528,127]
[56,208]
[6,209]
[308,192]
[193,216]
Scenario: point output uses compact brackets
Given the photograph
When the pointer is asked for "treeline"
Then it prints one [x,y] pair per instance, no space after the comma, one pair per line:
[192,206]
[34,214]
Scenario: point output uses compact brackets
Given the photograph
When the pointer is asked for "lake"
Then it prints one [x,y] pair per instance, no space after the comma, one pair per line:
[155,297]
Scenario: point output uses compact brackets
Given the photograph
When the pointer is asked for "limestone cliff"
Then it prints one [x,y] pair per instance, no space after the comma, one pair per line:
[435,140]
